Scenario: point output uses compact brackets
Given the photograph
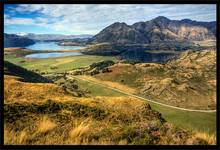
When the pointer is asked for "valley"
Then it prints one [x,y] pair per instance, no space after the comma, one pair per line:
[149,83]
[35,108]
[124,77]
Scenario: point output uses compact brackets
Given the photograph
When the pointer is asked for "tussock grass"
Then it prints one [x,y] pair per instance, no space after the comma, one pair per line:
[64,119]
[205,138]
[45,125]
[13,137]
[78,132]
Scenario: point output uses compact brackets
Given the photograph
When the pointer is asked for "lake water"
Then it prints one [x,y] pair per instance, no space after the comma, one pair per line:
[42,46]
[51,46]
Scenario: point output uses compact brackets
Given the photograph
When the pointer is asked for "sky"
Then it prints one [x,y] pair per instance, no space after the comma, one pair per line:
[92,18]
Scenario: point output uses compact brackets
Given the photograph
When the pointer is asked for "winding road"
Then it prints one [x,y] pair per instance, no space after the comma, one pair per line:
[139,97]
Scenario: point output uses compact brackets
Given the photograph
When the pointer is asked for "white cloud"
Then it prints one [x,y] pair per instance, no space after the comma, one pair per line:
[18,21]
[92,18]
[28,8]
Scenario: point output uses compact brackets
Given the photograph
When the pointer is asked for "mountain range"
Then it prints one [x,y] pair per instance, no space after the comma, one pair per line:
[166,33]
[23,40]
[13,40]
[47,37]
[160,29]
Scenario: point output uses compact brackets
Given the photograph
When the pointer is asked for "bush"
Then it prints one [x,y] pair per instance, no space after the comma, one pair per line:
[101,65]
[53,67]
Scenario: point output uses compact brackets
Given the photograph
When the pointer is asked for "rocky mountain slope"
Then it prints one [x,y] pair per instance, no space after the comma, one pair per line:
[160,29]
[13,40]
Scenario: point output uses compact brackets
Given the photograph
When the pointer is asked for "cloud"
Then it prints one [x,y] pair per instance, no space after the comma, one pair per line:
[27,8]
[19,21]
[92,18]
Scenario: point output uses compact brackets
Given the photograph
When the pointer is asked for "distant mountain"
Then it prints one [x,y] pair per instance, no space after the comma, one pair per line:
[21,33]
[47,37]
[160,29]
[13,40]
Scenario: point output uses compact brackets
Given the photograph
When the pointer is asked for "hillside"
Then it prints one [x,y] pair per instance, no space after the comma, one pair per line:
[158,30]
[188,81]
[13,40]
[42,113]
[26,75]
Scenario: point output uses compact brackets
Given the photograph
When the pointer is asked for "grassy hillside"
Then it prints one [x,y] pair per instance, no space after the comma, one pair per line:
[28,76]
[95,90]
[51,116]
[195,121]
[41,113]
[189,81]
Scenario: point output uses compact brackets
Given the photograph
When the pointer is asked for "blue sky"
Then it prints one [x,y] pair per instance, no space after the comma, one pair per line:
[91,19]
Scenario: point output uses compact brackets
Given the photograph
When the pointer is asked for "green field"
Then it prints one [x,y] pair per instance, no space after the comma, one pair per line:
[97,90]
[61,64]
[195,121]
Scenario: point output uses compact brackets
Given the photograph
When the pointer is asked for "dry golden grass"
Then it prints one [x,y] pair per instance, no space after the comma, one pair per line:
[12,137]
[77,132]
[210,139]
[12,49]
[29,92]
[45,125]
[23,137]
[126,118]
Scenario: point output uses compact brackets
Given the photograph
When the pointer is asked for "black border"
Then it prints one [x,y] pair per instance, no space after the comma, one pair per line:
[42,147]
[111,1]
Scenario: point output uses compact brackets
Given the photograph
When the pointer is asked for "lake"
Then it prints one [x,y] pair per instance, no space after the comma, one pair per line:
[51,46]
[42,46]
[52,55]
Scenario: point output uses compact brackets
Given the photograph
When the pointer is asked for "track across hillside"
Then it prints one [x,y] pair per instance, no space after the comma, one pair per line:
[139,97]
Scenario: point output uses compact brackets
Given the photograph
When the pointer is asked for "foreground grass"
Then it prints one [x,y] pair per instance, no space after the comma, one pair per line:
[195,121]
[60,64]
[51,116]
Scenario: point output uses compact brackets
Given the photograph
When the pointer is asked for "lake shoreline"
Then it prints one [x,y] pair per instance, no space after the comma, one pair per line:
[22,52]
[45,50]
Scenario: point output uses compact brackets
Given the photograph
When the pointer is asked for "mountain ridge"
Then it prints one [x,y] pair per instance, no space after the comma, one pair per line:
[45,37]
[159,29]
